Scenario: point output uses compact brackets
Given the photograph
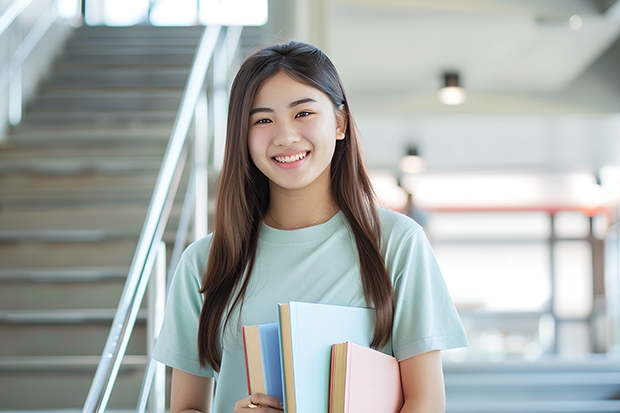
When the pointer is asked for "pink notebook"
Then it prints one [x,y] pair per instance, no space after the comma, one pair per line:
[364,380]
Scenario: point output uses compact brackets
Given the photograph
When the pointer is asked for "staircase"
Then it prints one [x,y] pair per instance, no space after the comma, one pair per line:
[76,179]
[583,385]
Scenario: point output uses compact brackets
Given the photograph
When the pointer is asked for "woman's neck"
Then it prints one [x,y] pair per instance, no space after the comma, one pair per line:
[299,209]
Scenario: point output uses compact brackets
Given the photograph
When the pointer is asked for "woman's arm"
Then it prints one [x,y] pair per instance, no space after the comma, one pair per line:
[422,381]
[189,392]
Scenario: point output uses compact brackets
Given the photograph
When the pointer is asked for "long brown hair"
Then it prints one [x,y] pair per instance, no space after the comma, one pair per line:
[243,198]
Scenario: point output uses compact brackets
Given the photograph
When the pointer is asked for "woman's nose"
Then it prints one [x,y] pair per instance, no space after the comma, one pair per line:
[286,135]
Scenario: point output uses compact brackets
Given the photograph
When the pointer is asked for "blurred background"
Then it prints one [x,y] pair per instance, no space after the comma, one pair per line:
[495,124]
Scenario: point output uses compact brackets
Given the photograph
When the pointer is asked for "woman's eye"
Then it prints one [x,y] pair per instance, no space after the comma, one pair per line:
[301,114]
[263,121]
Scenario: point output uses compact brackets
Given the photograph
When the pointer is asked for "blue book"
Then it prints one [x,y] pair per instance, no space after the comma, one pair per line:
[261,345]
[307,332]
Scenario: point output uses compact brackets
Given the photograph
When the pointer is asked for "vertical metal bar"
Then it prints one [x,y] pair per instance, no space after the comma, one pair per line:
[155,372]
[184,222]
[219,104]
[15,75]
[201,157]
[157,298]
[552,274]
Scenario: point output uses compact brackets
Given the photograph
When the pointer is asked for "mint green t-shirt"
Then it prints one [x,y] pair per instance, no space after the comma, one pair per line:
[316,264]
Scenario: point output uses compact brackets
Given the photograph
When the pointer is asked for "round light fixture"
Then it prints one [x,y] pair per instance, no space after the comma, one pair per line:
[452,93]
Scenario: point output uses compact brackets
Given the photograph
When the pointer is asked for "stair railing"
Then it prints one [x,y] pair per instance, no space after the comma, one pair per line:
[20,45]
[215,44]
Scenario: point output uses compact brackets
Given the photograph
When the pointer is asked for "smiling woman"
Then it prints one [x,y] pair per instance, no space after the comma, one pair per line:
[296,220]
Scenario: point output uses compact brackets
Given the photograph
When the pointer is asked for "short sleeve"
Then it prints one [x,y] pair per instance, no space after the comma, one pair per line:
[425,318]
[177,343]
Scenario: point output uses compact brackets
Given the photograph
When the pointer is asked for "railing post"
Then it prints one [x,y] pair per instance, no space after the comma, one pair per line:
[201,159]
[15,74]
[156,304]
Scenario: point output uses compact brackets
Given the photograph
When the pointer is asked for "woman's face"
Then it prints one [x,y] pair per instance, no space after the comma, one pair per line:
[292,133]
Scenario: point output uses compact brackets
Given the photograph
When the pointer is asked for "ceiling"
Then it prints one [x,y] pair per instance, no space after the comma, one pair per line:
[518,56]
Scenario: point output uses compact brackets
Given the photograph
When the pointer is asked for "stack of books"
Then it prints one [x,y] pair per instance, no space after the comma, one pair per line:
[316,358]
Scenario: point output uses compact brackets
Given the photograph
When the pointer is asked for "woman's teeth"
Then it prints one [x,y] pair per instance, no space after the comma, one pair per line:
[287,159]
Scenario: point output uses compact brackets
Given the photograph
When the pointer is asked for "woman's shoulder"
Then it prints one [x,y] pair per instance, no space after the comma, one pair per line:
[197,253]
[396,224]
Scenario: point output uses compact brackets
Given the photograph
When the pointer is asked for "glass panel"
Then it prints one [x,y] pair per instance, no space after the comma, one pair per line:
[234,12]
[571,224]
[497,277]
[116,12]
[573,282]
[534,225]
[174,13]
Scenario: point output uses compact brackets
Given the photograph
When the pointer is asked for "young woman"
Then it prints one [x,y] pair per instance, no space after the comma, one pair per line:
[296,220]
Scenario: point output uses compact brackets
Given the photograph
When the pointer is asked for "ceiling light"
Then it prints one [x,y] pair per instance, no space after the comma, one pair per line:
[452,93]
[412,163]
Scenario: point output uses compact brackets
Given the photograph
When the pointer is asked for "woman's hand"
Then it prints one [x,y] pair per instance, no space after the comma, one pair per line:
[258,403]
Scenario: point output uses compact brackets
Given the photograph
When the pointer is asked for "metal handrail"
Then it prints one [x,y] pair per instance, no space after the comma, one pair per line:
[152,232]
[10,74]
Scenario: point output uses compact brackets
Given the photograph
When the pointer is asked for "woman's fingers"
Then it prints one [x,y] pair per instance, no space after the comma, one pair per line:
[266,400]
[258,403]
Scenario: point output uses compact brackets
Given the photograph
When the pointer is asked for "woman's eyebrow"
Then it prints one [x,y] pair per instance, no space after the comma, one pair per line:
[300,102]
[290,105]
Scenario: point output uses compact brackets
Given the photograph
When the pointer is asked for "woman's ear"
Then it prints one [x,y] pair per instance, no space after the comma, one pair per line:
[341,125]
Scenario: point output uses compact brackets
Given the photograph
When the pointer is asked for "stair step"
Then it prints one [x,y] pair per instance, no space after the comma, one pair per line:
[97,32]
[88,182]
[157,42]
[14,151]
[98,119]
[78,165]
[107,101]
[74,339]
[111,136]
[76,218]
[63,275]
[92,235]
[93,79]
[85,315]
[117,253]
[38,363]
[572,406]
[155,58]
[74,296]
[52,389]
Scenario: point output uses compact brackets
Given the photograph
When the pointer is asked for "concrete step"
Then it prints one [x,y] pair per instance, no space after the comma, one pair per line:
[95,79]
[80,181]
[39,363]
[64,316]
[107,101]
[21,136]
[78,165]
[65,389]
[127,218]
[163,40]
[62,275]
[22,151]
[572,406]
[98,32]
[171,57]
[46,296]
[116,253]
[46,339]
[545,381]
[98,119]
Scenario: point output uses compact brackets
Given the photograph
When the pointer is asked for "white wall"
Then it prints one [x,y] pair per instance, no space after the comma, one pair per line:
[562,142]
